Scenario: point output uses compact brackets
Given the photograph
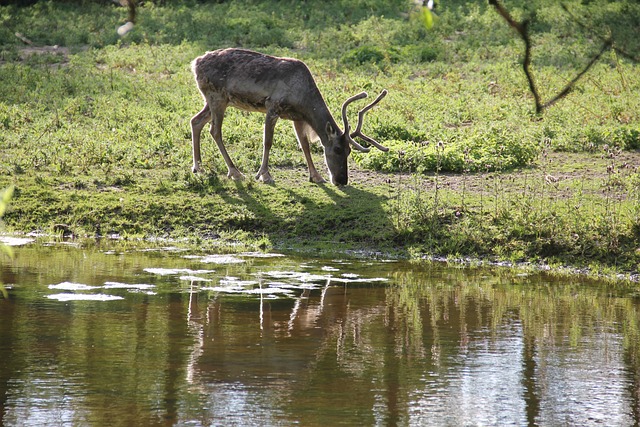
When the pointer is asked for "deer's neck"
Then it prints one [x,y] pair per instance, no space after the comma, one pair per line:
[319,116]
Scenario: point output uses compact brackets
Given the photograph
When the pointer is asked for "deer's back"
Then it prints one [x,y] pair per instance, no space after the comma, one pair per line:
[247,79]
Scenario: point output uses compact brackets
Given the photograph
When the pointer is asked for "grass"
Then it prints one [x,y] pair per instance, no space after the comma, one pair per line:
[95,132]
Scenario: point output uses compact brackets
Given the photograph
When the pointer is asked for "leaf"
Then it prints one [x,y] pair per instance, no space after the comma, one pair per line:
[4,199]
[427,17]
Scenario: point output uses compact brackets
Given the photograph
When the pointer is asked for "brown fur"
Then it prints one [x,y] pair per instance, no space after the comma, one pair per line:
[280,88]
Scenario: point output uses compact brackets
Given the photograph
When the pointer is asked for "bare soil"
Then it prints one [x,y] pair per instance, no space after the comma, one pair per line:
[560,173]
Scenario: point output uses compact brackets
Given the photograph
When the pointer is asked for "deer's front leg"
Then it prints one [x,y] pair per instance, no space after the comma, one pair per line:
[269,127]
[197,123]
[216,133]
[302,132]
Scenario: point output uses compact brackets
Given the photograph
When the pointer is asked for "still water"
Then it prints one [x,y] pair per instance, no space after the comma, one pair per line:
[130,337]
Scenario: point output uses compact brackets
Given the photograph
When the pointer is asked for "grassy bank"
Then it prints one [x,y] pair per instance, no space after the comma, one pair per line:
[95,132]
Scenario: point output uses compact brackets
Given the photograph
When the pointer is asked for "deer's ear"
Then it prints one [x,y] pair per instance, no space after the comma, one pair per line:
[331,132]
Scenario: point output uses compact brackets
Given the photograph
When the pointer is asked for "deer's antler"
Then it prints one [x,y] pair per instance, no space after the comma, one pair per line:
[345,119]
[358,131]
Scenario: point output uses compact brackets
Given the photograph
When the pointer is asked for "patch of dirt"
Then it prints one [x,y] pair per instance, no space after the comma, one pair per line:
[560,173]
[28,51]
[52,56]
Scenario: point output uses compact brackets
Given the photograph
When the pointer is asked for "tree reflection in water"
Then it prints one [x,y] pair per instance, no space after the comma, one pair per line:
[436,347]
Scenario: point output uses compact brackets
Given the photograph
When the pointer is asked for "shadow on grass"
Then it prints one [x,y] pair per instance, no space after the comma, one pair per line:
[305,214]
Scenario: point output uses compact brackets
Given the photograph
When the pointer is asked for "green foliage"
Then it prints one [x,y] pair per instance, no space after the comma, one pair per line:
[364,54]
[493,150]
[5,197]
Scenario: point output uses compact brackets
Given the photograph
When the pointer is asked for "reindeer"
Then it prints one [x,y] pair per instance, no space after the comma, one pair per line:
[280,88]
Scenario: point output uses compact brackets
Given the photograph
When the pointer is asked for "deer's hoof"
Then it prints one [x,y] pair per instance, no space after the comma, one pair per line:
[317,179]
[265,177]
[235,175]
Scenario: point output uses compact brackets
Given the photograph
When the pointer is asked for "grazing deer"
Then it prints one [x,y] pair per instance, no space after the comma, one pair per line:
[280,88]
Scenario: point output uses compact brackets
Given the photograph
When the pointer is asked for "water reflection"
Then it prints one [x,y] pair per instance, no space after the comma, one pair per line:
[280,340]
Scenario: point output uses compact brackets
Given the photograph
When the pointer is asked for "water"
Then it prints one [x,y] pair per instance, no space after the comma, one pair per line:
[102,337]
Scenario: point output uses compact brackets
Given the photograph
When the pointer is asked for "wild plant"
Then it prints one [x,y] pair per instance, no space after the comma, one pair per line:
[547,179]
[400,189]
[439,153]
[633,194]
[465,172]
[497,183]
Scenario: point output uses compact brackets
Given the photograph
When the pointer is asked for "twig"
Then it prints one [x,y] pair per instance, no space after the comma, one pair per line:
[522,28]
[569,86]
[602,38]
[23,39]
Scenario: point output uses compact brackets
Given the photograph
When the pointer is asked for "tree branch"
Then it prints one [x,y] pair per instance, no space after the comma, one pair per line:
[564,92]
[523,31]
[603,39]
[522,28]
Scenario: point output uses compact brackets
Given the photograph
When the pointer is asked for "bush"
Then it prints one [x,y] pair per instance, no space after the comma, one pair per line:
[493,150]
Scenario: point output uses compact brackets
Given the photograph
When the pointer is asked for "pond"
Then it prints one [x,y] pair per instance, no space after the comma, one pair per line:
[162,336]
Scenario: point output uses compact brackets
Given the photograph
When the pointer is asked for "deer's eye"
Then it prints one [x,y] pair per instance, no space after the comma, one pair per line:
[338,150]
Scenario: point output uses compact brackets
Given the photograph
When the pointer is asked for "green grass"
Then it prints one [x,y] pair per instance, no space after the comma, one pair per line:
[95,134]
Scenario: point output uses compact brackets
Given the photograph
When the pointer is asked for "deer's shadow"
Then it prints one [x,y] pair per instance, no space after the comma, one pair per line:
[315,214]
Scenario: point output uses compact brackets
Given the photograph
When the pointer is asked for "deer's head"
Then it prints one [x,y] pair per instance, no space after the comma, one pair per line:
[336,153]
[338,145]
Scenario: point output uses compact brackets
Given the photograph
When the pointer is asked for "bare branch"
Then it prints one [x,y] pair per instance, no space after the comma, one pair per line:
[605,40]
[564,92]
[522,30]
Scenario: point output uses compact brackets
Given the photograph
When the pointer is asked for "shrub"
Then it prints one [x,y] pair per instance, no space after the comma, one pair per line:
[492,150]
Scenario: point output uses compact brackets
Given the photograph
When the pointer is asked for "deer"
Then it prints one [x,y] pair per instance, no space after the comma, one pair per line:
[279,88]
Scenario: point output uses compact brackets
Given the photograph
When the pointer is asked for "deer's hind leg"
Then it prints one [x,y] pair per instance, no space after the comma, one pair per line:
[197,123]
